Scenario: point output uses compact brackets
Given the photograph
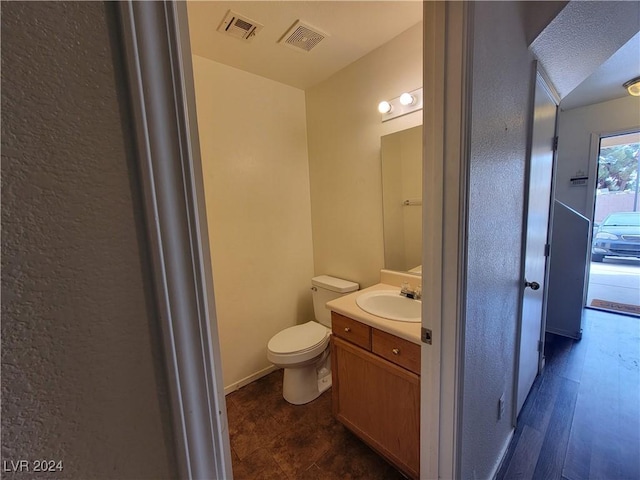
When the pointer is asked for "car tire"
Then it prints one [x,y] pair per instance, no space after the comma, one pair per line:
[597,257]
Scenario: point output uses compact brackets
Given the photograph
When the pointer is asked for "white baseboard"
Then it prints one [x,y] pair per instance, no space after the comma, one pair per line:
[501,458]
[251,378]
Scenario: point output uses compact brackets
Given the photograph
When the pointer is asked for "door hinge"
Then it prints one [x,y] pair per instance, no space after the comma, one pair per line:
[426,335]
[540,345]
[547,250]
[555,144]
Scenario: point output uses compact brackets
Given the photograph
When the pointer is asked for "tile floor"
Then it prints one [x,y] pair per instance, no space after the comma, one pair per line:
[272,439]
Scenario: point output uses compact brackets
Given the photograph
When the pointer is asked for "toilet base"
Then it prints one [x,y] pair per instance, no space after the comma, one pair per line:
[302,385]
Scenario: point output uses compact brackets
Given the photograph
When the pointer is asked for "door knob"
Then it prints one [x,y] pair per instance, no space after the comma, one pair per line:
[532,285]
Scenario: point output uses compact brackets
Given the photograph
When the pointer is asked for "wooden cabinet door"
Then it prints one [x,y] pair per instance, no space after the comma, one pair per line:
[379,402]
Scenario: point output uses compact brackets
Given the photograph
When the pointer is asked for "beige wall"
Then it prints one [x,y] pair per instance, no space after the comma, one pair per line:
[254,155]
[344,130]
[254,139]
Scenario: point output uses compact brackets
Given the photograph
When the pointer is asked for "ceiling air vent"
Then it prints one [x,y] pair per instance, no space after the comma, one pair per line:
[302,36]
[239,26]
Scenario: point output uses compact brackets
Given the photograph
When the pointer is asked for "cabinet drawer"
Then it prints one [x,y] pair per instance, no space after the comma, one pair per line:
[351,330]
[397,350]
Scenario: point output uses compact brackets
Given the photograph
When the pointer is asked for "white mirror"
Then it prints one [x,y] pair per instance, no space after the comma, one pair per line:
[401,154]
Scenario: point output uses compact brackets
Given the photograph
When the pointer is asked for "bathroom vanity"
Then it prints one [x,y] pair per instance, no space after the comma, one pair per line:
[376,382]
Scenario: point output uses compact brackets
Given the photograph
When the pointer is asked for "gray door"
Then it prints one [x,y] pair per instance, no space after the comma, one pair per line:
[537,226]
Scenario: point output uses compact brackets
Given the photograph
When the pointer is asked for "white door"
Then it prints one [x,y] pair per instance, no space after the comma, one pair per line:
[538,201]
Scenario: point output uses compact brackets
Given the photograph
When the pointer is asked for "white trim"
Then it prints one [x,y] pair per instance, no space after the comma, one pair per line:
[251,378]
[448,31]
[592,172]
[548,84]
[432,221]
[502,456]
[552,195]
[154,36]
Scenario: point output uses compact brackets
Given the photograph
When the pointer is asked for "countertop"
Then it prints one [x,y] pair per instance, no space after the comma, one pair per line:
[347,306]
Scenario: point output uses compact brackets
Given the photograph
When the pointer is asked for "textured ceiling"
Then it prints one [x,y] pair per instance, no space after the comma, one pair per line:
[355,28]
[606,82]
[580,40]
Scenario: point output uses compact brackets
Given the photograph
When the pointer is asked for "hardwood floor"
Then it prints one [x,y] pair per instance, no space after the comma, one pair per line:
[272,439]
[581,419]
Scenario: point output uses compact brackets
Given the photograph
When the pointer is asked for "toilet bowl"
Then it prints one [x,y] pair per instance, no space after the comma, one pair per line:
[299,345]
[303,350]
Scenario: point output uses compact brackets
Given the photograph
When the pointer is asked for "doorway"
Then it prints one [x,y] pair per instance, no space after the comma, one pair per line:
[614,270]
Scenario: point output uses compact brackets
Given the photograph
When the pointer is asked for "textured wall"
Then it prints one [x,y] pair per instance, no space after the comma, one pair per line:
[82,376]
[502,70]
[538,15]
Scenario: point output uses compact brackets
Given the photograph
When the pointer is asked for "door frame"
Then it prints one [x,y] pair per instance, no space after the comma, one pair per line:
[154,37]
[448,36]
[592,172]
[155,44]
[554,168]
[592,183]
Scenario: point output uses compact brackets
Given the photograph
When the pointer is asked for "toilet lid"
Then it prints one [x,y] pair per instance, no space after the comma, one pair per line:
[300,337]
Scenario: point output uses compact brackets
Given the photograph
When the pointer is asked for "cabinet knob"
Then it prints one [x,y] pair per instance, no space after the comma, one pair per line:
[347,329]
[396,351]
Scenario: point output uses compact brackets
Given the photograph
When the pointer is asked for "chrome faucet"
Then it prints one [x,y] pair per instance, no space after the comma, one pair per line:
[405,291]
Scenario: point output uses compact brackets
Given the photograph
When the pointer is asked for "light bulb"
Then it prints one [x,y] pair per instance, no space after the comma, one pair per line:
[384,107]
[633,86]
[407,99]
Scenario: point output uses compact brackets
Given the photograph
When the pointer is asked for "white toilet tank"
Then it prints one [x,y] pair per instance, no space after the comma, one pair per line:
[326,288]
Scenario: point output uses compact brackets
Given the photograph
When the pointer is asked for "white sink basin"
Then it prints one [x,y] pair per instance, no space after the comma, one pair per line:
[391,305]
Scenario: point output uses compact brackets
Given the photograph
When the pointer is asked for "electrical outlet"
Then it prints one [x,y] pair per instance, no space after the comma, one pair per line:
[501,407]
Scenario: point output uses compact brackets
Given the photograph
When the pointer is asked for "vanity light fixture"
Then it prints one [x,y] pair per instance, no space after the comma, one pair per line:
[396,107]
[633,86]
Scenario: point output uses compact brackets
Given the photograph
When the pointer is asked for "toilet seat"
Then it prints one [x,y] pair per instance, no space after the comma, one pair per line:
[298,343]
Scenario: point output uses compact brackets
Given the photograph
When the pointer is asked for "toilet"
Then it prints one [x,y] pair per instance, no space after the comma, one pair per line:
[303,350]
